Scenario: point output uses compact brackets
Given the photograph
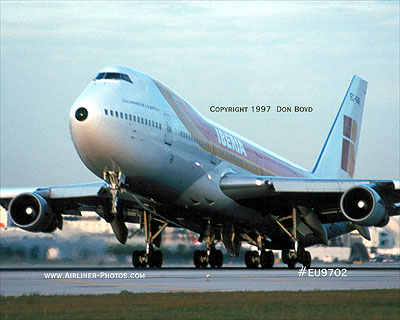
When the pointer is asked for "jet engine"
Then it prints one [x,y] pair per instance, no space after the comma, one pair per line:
[31,212]
[364,206]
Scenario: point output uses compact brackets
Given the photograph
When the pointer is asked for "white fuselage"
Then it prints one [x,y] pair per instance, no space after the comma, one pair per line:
[131,127]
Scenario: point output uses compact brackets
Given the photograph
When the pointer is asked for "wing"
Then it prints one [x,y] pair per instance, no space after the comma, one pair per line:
[318,201]
[41,209]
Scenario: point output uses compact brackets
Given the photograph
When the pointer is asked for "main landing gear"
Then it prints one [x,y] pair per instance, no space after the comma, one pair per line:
[290,257]
[262,257]
[266,259]
[154,259]
[211,256]
[299,254]
[152,232]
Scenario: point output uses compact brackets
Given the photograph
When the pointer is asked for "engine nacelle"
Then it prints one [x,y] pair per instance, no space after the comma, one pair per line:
[363,205]
[31,212]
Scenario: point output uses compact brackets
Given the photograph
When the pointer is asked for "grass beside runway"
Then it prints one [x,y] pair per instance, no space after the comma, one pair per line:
[349,304]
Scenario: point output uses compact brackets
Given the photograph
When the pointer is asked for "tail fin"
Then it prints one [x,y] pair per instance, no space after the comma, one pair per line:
[338,155]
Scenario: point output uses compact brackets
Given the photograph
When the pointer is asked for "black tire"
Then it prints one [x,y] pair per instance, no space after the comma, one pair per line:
[143,259]
[256,259]
[135,259]
[216,259]
[252,259]
[213,259]
[196,258]
[247,259]
[307,260]
[301,254]
[204,258]
[291,263]
[267,259]
[220,259]
[151,259]
[158,258]
[285,256]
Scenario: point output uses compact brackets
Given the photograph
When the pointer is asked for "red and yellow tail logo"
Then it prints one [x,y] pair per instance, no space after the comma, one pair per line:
[348,145]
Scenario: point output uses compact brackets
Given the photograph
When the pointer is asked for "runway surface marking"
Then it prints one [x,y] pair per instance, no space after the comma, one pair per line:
[131,285]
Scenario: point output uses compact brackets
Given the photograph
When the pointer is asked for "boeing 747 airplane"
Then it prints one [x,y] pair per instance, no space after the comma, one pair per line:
[163,164]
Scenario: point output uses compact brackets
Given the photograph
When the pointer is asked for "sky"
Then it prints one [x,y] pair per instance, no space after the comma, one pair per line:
[211,53]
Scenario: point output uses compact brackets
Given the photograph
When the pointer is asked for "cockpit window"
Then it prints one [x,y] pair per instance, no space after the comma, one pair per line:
[125,77]
[100,76]
[113,76]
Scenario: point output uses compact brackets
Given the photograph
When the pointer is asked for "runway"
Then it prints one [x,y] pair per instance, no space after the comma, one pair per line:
[17,282]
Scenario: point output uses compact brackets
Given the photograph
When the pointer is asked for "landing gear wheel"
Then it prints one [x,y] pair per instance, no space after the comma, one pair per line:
[159,259]
[285,256]
[267,259]
[291,264]
[196,259]
[135,259]
[307,260]
[216,258]
[204,258]
[200,258]
[289,259]
[155,259]
[139,259]
[301,254]
[143,259]
[252,259]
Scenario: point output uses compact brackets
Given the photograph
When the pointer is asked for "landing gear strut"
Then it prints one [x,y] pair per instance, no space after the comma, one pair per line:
[299,254]
[149,257]
[113,213]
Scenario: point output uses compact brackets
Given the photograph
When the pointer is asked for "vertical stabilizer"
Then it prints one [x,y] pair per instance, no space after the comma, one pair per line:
[338,156]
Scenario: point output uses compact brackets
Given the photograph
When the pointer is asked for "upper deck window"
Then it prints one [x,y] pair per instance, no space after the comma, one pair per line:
[113,76]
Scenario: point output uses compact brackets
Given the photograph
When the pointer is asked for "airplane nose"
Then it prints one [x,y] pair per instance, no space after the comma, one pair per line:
[85,114]
[81,114]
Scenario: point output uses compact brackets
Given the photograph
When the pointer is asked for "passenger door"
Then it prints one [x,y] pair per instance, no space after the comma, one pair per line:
[168,129]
